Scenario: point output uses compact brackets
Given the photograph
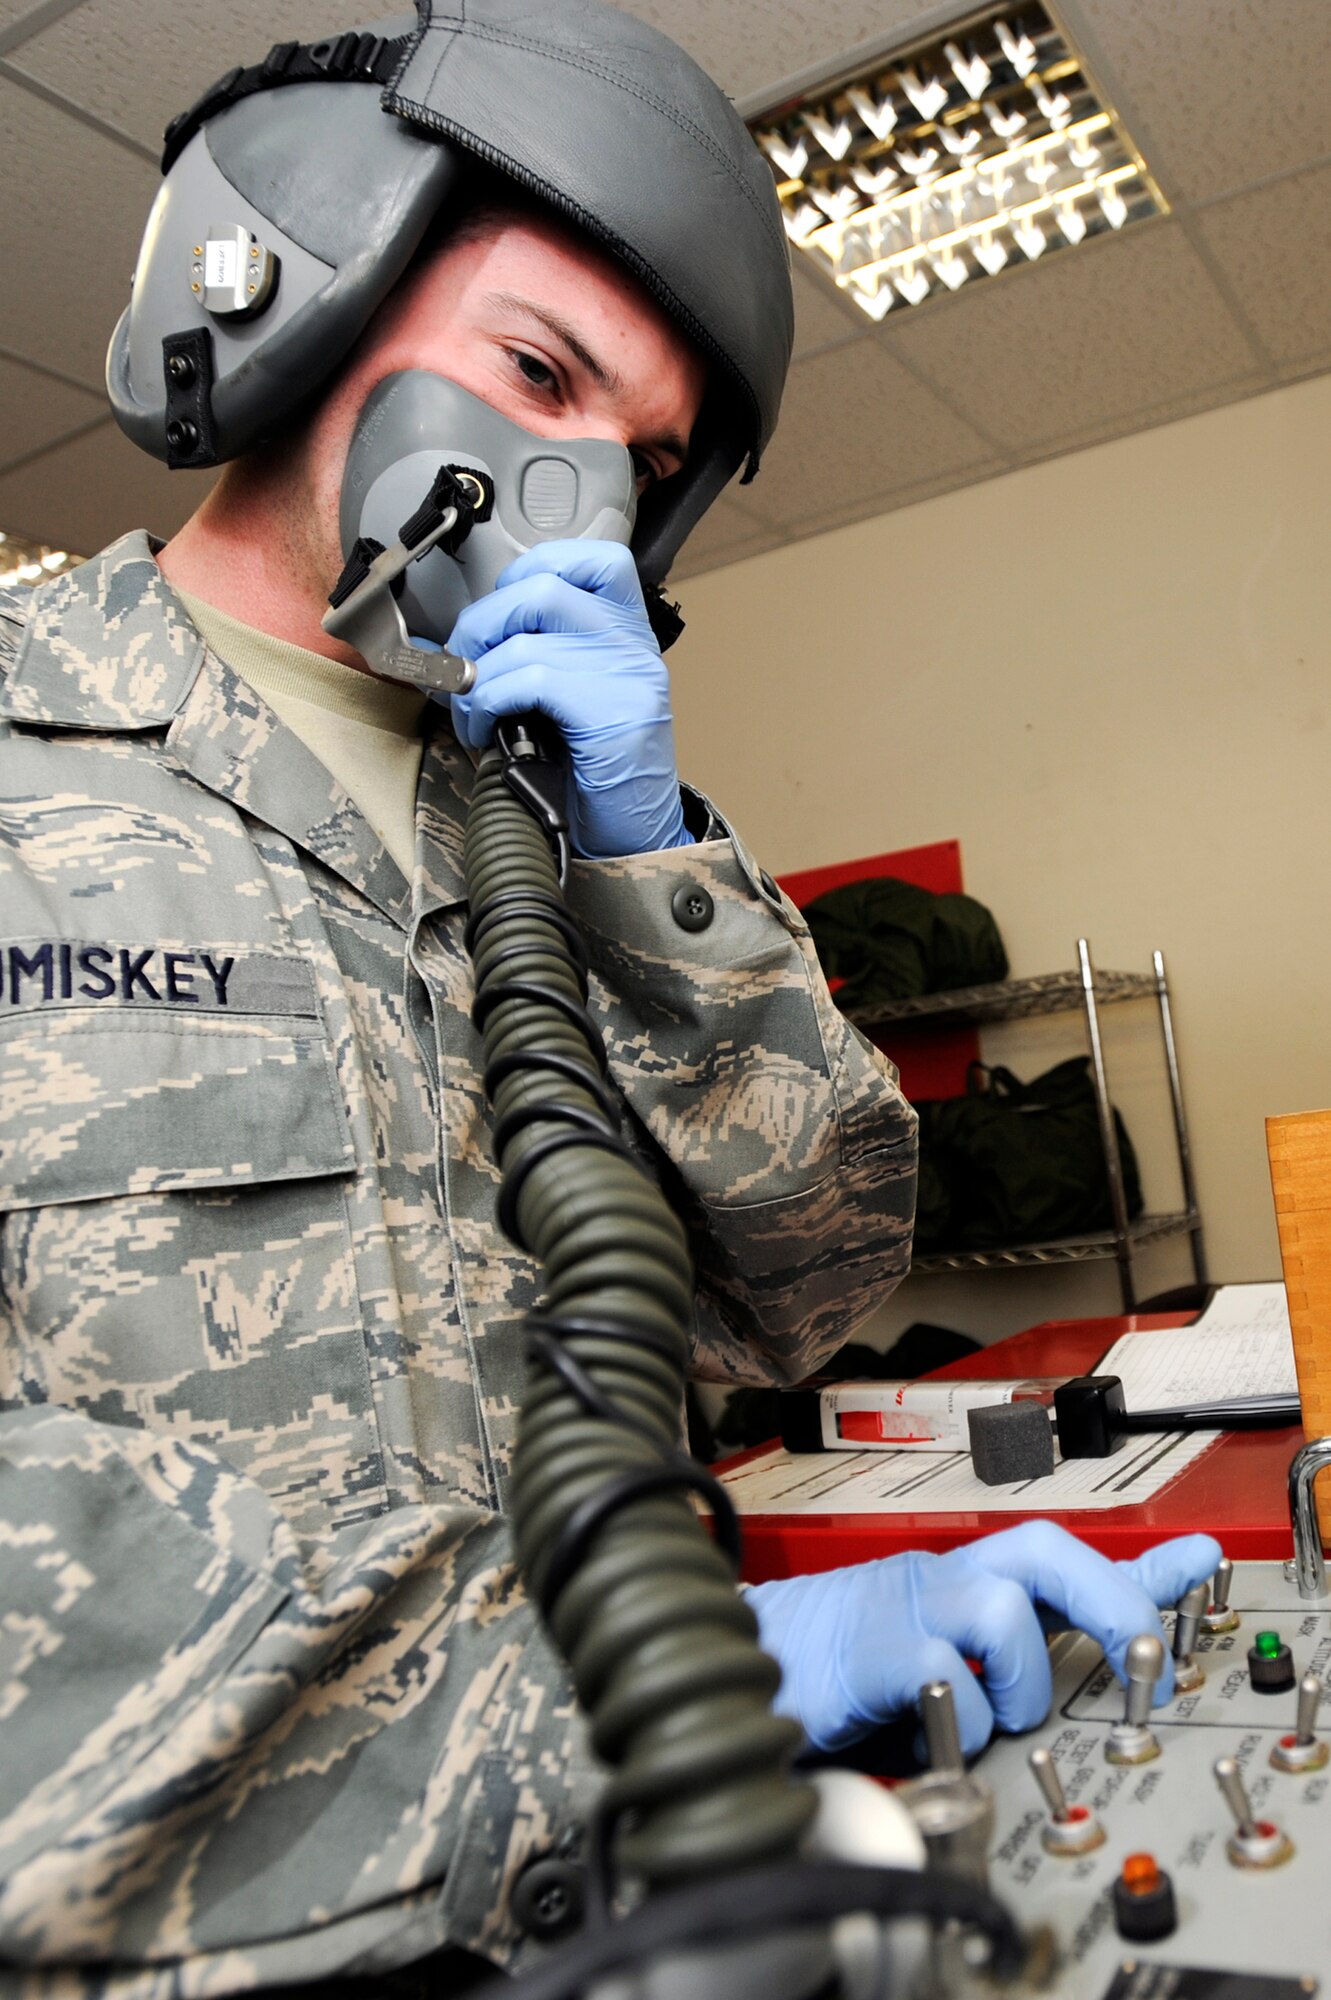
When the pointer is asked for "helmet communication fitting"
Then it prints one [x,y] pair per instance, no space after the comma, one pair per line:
[297,191]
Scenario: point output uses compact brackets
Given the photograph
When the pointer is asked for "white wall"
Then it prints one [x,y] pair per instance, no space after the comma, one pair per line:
[1108,677]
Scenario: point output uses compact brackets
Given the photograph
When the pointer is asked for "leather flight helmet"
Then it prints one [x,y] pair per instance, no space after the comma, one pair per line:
[296,192]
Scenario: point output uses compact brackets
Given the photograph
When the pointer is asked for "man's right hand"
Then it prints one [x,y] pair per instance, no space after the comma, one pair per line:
[566,632]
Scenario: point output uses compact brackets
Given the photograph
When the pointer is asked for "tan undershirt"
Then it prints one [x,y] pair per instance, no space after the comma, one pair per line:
[367,732]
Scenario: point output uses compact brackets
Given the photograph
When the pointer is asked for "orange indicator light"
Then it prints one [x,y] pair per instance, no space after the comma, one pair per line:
[1141,1874]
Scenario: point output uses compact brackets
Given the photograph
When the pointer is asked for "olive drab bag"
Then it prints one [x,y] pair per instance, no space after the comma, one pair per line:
[883,939]
[1012,1162]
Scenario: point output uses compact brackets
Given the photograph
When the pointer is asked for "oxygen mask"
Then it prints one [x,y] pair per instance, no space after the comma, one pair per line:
[439,494]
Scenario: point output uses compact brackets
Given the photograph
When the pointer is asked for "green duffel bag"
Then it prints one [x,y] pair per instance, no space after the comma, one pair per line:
[1013,1162]
[883,940]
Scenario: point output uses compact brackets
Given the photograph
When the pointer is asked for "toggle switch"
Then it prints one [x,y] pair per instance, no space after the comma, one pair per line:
[1254,1843]
[1068,1829]
[1189,1673]
[953,1809]
[1133,1741]
[942,1738]
[1220,1615]
[1304,1750]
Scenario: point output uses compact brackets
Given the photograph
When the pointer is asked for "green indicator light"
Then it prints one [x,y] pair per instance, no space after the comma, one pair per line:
[1268,1644]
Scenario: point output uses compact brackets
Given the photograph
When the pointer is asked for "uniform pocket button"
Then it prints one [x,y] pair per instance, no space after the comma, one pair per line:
[549,1896]
[692,907]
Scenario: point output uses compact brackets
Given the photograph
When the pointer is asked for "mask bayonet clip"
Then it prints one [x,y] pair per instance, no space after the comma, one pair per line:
[363,609]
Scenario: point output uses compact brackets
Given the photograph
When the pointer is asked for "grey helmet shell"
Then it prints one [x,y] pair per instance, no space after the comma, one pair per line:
[588,109]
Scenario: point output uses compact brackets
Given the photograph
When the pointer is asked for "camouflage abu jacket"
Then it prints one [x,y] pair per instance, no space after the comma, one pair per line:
[272,1701]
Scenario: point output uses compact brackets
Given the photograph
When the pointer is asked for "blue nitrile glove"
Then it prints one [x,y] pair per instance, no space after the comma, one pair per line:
[856,1645]
[565,631]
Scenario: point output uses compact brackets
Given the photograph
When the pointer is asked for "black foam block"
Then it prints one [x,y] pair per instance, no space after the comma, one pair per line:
[1011,1442]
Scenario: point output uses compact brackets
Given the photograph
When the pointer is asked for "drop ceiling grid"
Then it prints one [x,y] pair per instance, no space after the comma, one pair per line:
[1275,243]
[20,19]
[74,210]
[37,410]
[1232,295]
[840,407]
[1219,95]
[61,499]
[96,56]
[1126,322]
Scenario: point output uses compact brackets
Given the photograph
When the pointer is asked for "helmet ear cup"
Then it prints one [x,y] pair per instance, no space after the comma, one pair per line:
[285,182]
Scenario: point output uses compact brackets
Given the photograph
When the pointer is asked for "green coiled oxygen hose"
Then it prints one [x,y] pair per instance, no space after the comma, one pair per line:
[638,1598]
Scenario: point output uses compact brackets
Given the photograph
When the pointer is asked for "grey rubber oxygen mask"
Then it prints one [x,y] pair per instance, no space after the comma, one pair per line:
[424,450]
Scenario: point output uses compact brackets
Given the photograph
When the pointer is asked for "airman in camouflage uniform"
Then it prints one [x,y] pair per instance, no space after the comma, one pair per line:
[273,1703]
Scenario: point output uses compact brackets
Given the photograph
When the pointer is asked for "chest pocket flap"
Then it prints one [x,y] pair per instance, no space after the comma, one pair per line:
[138,1069]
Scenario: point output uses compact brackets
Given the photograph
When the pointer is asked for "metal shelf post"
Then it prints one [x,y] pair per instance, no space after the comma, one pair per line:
[1089,989]
[1118,1199]
[1180,1119]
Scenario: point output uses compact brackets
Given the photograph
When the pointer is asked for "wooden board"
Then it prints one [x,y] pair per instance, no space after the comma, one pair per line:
[1299,1149]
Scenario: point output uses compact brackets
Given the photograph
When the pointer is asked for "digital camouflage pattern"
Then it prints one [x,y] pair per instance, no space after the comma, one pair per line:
[273,1703]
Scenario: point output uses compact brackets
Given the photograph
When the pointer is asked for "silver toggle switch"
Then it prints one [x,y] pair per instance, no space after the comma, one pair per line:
[938,1713]
[1133,1741]
[1189,1673]
[1068,1829]
[1220,1615]
[1254,1843]
[953,1809]
[1304,1750]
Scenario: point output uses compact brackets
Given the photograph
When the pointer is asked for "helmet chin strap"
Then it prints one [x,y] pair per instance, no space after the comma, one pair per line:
[363,609]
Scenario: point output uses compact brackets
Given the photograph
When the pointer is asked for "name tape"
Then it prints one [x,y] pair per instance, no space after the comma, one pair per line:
[54,972]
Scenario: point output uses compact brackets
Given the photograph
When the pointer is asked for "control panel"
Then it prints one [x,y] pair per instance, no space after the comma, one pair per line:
[1195,1837]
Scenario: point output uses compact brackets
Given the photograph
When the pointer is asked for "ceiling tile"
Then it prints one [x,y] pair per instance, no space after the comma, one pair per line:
[855,423]
[819,318]
[95,56]
[907,494]
[1172,411]
[1303,371]
[750,45]
[697,561]
[1216,95]
[726,524]
[83,494]
[1088,338]
[1274,247]
[13,12]
[76,269]
[37,410]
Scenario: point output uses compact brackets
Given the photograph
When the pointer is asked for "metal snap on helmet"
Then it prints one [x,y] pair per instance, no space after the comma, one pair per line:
[296,192]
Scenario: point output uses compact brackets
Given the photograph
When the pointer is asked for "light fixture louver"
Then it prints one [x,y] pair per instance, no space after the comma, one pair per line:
[980,150]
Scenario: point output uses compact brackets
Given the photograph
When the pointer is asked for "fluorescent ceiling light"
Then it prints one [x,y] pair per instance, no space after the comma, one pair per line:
[953,159]
[25,561]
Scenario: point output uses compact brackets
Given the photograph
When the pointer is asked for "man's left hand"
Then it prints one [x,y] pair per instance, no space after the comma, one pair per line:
[856,1645]
[565,631]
